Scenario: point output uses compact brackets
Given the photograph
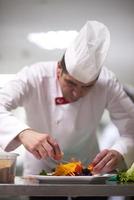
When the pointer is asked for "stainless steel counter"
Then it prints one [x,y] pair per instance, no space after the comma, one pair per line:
[30,187]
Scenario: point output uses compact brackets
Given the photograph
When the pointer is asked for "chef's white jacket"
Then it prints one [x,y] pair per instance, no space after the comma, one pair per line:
[73,124]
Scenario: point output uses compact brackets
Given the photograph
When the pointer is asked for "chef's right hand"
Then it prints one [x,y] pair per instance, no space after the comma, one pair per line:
[41,145]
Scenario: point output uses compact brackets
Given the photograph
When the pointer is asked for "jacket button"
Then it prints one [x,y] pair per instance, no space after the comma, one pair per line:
[58,121]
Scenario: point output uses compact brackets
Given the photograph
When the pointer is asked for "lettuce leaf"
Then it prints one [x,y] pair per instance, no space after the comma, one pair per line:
[43,173]
[126,176]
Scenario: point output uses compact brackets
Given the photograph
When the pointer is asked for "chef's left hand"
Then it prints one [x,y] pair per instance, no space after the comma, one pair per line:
[106,161]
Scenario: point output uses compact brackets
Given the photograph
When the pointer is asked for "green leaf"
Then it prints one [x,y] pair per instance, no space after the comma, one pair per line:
[43,173]
[126,176]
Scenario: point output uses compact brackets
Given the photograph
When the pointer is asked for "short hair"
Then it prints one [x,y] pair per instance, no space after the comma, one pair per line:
[63,65]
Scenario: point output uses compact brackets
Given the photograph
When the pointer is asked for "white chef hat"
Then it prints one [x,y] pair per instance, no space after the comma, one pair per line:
[85,56]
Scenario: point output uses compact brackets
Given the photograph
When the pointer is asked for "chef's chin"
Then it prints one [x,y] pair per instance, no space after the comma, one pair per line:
[71,99]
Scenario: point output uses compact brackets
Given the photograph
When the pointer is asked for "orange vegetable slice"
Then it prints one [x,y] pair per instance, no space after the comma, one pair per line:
[68,169]
[90,167]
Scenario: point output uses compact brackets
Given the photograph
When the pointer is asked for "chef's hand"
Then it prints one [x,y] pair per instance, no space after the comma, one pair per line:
[106,161]
[41,145]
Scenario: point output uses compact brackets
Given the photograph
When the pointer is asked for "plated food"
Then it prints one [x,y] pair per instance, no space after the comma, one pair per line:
[73,172]
[74,168]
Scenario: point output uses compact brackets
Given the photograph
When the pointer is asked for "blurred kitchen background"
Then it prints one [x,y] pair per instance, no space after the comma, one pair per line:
[23,24]
[19,18]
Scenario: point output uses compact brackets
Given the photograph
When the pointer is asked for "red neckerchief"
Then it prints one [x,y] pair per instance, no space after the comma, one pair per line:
[61,101]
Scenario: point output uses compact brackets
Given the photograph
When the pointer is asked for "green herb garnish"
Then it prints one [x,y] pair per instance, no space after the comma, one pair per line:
[43,173]
[126,176]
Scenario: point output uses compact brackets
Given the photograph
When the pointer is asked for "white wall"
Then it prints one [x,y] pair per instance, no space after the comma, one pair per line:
[18,18]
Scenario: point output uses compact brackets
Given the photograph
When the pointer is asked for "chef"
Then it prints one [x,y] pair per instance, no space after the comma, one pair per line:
[64,102]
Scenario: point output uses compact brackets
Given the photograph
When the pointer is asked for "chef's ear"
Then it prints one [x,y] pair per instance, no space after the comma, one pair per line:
[59,65]
[59,69]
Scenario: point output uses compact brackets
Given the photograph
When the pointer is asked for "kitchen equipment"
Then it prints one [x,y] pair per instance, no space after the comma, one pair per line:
[7,167]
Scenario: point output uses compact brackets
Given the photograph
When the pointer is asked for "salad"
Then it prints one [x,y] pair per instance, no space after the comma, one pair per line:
[74,168]
[126,176]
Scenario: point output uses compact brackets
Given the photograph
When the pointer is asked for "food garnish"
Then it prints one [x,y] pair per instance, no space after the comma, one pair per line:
[90,167]
[69,169]
[126,176]
[43,172]
[74,168]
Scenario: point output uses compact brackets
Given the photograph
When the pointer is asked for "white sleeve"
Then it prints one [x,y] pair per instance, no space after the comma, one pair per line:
[121,110]
[13,95]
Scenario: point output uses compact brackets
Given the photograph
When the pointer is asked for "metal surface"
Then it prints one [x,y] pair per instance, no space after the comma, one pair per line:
[25,187]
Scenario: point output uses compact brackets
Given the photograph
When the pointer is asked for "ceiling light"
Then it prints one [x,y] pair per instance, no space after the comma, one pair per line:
[52,39]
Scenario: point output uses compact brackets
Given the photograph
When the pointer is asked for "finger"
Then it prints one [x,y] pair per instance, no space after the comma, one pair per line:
[110,166]
[49,149]
[100,156]
[100,165]
[57,152]
[42,152]
[113,163]
[36,154]
[107,162]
